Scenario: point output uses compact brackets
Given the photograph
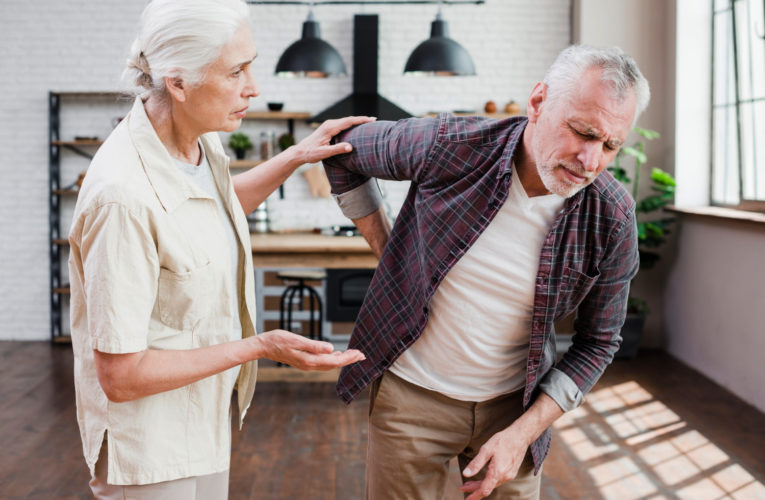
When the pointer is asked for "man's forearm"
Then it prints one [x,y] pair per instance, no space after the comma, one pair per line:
[540,415]
[375,228]
[255,185]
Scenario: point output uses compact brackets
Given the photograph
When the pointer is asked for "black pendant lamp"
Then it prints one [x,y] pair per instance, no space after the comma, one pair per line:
[439,55]
[310,56]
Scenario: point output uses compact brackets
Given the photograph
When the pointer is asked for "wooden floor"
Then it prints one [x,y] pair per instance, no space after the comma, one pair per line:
[651,429]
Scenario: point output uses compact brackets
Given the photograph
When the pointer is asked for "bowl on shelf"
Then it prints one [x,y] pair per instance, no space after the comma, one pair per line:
[275,106]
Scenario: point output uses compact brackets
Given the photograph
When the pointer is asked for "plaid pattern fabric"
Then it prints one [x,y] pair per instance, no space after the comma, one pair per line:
[460,170]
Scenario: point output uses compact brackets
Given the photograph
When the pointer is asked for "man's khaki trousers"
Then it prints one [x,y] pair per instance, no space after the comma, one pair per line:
[414,432]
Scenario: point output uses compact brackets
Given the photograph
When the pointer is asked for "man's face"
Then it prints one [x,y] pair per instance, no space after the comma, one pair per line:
[576,136]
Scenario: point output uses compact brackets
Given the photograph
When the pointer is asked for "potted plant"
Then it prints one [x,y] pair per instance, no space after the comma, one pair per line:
[652,226]
[239,143]
[286,140]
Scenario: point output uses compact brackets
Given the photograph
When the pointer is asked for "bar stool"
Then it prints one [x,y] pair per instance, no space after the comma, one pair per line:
[298,289]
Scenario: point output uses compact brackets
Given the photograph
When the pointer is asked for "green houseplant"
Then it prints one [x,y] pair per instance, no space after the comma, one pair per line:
[652,224]
[285,141]
[239,143]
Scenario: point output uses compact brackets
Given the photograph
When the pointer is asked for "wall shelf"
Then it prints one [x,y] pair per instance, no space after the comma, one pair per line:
[94,93]
[83,147]
[277,115]
[78,142]
[495,116]
[244,163]
[288,116]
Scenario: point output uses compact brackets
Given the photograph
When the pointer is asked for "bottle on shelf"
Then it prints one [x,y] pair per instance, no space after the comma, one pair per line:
[267,145]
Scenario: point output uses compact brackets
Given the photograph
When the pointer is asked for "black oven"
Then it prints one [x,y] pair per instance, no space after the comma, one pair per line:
[346,289]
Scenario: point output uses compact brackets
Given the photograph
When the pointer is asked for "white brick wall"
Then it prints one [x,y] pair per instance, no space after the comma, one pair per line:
[81,45]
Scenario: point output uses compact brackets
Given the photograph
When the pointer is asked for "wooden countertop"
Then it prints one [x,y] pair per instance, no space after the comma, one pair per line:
[311,250]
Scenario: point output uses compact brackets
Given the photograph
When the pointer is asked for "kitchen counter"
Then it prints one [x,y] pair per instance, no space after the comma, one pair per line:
[311,250]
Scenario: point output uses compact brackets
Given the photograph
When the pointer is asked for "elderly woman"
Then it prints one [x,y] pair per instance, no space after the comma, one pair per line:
[163,302]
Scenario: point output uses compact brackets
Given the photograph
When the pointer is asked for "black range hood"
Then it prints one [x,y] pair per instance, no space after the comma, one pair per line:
[364,100]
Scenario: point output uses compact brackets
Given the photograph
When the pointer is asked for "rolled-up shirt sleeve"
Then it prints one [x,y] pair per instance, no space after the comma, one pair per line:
[562,390]
[360,201]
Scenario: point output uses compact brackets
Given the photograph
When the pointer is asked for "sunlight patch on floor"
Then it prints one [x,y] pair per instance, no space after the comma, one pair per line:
[635,447]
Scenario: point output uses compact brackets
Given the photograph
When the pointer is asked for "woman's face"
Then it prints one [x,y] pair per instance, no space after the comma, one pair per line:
[220,102]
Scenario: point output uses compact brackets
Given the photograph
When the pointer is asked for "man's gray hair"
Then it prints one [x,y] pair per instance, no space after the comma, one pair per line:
[619,69]
[180,39]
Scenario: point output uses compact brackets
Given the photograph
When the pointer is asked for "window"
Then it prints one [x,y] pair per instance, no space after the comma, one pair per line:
[738,103]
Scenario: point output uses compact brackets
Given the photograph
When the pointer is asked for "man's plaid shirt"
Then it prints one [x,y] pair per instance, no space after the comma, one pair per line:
[460,170]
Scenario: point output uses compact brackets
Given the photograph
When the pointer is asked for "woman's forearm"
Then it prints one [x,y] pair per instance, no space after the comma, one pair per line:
[126,377]
[256,184]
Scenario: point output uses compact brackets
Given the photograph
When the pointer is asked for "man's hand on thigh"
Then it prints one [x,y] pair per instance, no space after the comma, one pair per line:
[505,450]
[502,454]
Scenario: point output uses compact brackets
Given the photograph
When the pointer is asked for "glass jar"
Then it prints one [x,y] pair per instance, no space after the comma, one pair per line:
[267,145]
[259,222]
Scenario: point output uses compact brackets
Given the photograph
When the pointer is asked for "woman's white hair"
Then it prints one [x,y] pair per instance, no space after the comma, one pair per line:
[180,39]
[619,69]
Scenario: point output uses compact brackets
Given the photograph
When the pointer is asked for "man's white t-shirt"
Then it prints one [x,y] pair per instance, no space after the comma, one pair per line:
[476,342]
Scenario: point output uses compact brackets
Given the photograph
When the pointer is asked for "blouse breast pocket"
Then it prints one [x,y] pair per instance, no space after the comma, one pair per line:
[575,286]
[184,297]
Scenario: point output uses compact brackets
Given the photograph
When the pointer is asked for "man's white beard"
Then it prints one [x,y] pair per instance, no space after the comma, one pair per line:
[559,184]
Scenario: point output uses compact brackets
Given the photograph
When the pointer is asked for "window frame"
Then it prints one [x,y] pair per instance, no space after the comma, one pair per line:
[717,166]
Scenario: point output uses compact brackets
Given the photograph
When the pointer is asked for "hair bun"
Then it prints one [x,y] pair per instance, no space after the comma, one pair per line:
[142,70]
[143,65]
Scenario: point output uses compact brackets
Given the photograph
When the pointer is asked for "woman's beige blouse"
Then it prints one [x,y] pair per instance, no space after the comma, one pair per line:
[148,270]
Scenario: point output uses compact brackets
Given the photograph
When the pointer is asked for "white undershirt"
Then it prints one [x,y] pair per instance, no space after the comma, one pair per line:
[476,342]
[202,176]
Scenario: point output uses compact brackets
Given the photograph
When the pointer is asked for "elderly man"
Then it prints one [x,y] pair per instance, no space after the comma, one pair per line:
[508,226]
